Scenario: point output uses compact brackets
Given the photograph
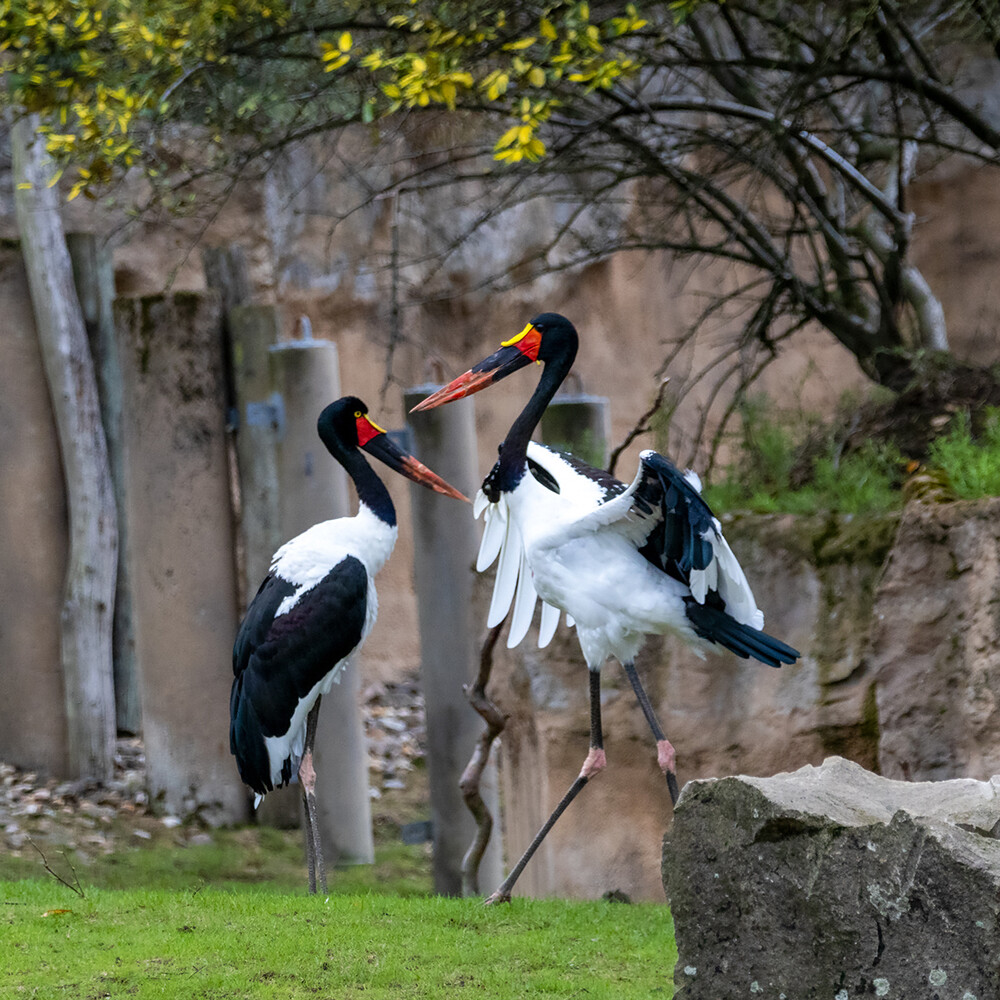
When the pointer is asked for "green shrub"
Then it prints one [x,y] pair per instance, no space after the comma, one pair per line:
[789,463]
[971,463]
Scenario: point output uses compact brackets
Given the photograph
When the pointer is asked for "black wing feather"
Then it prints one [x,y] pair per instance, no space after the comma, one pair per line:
[676,543]
[681,541]
[278,659]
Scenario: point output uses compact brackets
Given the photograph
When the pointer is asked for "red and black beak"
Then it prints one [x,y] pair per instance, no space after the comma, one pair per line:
[513,355]
[378,444]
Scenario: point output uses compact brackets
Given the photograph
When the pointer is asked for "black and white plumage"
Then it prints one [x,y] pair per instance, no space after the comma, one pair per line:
[622,562]
[312,614]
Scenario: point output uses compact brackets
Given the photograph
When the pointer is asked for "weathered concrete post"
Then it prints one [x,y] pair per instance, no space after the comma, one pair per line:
[444,554]
[253,331]
[579,423]
[180,549]
[94,277]
[34,531]
[306,378]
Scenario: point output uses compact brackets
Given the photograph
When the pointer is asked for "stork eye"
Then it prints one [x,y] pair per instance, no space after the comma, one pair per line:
[358,414]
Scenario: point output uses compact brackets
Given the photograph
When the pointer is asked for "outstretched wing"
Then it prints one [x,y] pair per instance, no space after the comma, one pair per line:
[561,473]
[663,513]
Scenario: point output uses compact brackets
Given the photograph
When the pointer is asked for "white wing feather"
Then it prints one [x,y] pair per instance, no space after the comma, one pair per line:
[733,586]
[548,625]
[494,531]
[513,581]
[525,599]
[507,571]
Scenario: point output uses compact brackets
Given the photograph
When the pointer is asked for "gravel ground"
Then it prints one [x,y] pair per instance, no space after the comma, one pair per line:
[95,817]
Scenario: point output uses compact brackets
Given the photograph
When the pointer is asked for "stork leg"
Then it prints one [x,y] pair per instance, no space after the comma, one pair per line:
[307,779]
[596,762]
[664,750]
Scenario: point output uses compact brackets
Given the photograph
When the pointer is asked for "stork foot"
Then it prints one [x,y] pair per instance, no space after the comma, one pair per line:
[665,755]
[497,897]
[596,762]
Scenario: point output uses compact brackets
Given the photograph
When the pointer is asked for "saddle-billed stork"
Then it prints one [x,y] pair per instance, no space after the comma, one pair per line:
[621,561]
[311,615]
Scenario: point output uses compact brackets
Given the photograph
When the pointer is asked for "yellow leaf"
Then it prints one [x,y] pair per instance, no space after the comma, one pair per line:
[521,43]
[547,30]
[537,77]
[344,43]
[24,186]
[508,138]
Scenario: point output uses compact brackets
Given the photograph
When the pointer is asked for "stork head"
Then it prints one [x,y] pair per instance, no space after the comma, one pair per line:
[345,425]
[547,337]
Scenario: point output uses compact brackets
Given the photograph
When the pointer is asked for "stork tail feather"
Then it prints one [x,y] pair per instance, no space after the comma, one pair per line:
[712,623]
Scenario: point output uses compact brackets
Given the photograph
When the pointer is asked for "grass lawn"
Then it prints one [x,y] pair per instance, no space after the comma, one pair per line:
[262,943]
[181,912]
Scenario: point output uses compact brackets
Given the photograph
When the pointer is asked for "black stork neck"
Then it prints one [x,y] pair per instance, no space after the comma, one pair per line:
[370,489]
[557,353]
[338,430]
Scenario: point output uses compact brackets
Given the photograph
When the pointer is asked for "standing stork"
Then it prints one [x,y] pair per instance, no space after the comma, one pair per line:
[622,562]
[311,615]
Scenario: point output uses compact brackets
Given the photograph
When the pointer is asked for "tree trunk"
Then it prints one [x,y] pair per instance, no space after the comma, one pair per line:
[88,603]
[94,279]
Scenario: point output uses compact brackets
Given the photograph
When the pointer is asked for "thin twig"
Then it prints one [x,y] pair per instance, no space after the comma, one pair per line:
[69,885]
[495,720]
[640,426]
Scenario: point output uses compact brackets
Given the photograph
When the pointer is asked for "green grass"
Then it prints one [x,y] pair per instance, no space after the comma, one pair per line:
[763,479]
[247,857]
[187,857]
[213,943]
[789,462]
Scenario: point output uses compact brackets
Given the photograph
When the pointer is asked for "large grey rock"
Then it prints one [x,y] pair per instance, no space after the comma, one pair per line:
[832,882]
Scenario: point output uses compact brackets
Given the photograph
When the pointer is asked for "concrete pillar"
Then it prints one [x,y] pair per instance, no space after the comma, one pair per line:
[445,542]
[33,554]
[180,549]
[581,424]
[254,331]
[314,488]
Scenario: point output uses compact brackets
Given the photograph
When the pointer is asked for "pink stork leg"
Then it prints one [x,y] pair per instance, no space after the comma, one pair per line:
[664,750]
[307,779]
[595,762]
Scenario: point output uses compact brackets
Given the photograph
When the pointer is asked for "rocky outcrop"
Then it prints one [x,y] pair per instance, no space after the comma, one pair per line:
[832,882]
[934,651]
